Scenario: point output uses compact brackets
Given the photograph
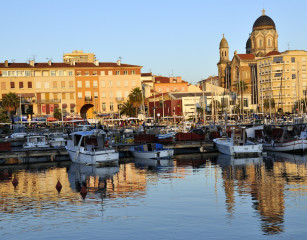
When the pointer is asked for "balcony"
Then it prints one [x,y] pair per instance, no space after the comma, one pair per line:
[119,99]
[88,99]
[44,101]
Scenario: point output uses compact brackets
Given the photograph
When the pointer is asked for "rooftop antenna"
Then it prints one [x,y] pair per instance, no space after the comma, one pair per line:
[34,57]
[13,60]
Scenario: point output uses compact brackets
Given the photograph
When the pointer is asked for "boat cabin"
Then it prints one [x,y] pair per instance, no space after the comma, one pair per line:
[238,136]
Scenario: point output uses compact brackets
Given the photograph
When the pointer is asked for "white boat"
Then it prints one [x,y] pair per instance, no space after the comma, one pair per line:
[90,147]
[19,135]
[36,141]
[286,144]
[151,151]
[237,144]
[57,140]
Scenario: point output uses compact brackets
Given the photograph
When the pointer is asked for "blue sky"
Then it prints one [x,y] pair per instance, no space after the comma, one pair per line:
[167,37]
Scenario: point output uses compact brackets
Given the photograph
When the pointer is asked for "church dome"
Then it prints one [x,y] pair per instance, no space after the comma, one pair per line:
[248,43]
[264,22]
[223,43]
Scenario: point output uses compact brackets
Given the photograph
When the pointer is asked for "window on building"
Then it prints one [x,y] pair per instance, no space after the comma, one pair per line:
[102,73]
[87,73]
[47,85]
[71,84]
[110,73]
[28,73]
[4,73]
[79,84]
[133,83]
[87,84]
[111,94]
[79,95]
[125,72]
[61,73]
[293,59]
[133,72]
[95,84]
[78,73]
[110,83]
[126,83]
[126,94]
[269,42]
[70,73]
[245,102]
[38,85]
[11,73]
[303,59]
[293,76]
[103,84]
[63,96]
[63,84]
[12,85]
[118,83]
[52,73]
[111,106]
[94,73]
[19,73]
[3,85]
[29,84]
[72,96]
[117,72]
[54,84]
[293,68]
[260,42]
[103,94]
[96,95]
[20,84]
[104,106]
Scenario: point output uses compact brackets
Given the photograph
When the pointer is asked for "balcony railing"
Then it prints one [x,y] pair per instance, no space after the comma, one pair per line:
[88,99]
[48,101]
[118,99]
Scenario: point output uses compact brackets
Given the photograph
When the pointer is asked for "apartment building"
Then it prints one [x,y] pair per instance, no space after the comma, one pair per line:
[282,77]
[76,87]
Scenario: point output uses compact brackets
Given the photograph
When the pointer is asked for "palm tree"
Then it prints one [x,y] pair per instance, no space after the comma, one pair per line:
[57,113]
[10,103]
[267,102]
[3,116]
[127,109]
[241,87]
[136,98]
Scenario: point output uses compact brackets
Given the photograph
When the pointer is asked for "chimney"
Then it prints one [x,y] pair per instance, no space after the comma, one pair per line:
[118,62]
[6,63]
[96,62]
[49,63]
[31,62]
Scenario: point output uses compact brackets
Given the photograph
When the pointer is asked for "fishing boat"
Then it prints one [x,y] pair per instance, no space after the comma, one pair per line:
[290,138]
[151,151]
[237,144]
[90,147]
[36,141]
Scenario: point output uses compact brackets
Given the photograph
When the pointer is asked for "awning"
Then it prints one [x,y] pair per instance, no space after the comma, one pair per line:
[26,95]
[64,105]
[51,119]
[72,105]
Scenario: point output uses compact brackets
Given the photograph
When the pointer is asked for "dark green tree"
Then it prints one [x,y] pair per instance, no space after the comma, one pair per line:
[10,103]
[57,113]
[127,109]
[136,98]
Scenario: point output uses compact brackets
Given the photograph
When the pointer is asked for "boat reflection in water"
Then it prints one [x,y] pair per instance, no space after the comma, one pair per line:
[92,177]
[153,164]
[226,160]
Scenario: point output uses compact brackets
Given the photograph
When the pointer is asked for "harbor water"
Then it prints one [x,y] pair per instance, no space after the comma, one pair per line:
[195,196]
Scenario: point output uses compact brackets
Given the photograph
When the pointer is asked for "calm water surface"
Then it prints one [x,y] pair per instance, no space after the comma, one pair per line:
[191,197]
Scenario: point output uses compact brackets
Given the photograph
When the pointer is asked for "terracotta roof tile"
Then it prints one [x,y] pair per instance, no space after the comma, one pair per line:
[248,56]
[272,53]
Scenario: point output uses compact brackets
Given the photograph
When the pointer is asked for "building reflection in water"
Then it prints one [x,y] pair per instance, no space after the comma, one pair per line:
[265,183]
[262,180]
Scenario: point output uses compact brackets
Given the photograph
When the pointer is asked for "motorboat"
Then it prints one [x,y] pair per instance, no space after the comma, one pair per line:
[57,140]
[36,141]
[18,135]
[151,151]
[90,147]
[237,144]
[286,139]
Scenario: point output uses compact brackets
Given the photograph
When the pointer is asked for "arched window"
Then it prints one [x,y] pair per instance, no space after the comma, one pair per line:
[269,42]
[225,54]
[260,42]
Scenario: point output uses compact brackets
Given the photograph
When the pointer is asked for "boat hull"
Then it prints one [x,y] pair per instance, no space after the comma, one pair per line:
[98,157]
[297,145]
[224,146]
[166,153]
